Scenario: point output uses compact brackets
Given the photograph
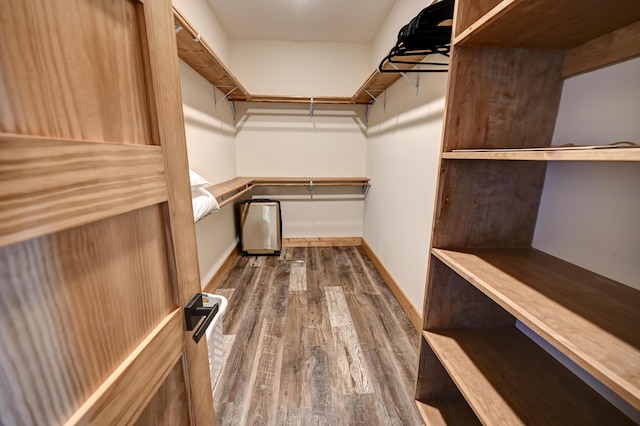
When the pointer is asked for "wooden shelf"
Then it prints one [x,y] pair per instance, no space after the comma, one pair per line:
[545,24]
[447,412]
[591,319]
[199,56]
[227,191]
[599,154]
[508,379]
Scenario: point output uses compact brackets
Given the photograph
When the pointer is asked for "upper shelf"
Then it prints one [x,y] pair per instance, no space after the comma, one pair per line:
[542,24]
[199,56]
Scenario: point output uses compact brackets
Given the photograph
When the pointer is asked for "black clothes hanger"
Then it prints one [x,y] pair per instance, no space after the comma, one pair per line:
[428,33]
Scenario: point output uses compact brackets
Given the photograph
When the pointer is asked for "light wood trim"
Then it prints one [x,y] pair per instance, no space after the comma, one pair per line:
[337,100]
[215,281]
[548,24]
[400,295]
[235,196]
[322,242]
[591,319]
[600,154]
[106,180]
[229,187]
[445,412]
[608,49]
[200,57]
[508,379]
[123,396]
[165,97]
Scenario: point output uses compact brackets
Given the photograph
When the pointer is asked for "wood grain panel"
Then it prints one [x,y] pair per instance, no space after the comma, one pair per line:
[163,77]
[62,319]
[124,394]
[433,382]
[349,354]
[607,49]
[49,185]
[468,12]
[392,402]
[295,373]
[76,81]
[453,303]
[485,363]
[321,242]
[591,319]
[487,204]
[445,412]
[548,24]
[168,407]
[573,154]
[264,375]
[492,107]
[327,403]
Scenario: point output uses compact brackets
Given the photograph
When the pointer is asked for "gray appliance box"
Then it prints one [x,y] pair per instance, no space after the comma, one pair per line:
[260,227]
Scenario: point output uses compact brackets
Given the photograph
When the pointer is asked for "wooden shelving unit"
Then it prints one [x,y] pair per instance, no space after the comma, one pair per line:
[505,79]
[203,59]
[227,191]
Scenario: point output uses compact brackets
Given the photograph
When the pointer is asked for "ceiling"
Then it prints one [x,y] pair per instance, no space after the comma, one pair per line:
[346,21]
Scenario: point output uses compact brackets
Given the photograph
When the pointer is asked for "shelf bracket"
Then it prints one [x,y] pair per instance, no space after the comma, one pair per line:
[374,100]
[311,109]
[311,188]
[197,39]
[178,28]
[415,84]
[216,101]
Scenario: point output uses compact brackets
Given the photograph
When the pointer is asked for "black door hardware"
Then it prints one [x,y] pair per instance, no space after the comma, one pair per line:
[192,313]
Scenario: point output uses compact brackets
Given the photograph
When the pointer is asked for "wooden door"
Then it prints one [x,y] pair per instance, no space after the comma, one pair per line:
[97,243]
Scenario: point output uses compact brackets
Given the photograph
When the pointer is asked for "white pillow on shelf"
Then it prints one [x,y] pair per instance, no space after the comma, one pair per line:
[197,181]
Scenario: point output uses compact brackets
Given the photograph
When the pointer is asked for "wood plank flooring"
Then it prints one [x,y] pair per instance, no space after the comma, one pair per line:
[318,342]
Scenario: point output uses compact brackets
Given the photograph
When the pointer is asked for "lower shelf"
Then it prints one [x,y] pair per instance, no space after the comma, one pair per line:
[508,379]
[445,412]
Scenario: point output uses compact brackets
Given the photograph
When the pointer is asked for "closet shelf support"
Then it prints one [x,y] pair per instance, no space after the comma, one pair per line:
[415,84]
[310,109]
[374,100]
[178,28]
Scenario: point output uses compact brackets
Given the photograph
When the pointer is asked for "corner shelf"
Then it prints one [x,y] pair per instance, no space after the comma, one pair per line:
[227,191]
[199,56]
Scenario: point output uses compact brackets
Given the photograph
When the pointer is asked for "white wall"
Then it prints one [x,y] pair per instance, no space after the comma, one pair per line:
[300,68]
[403,149]
[281,140]
[211,151]
[589,212]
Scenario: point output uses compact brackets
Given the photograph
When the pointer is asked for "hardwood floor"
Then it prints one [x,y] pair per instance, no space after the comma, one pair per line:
[319,342]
